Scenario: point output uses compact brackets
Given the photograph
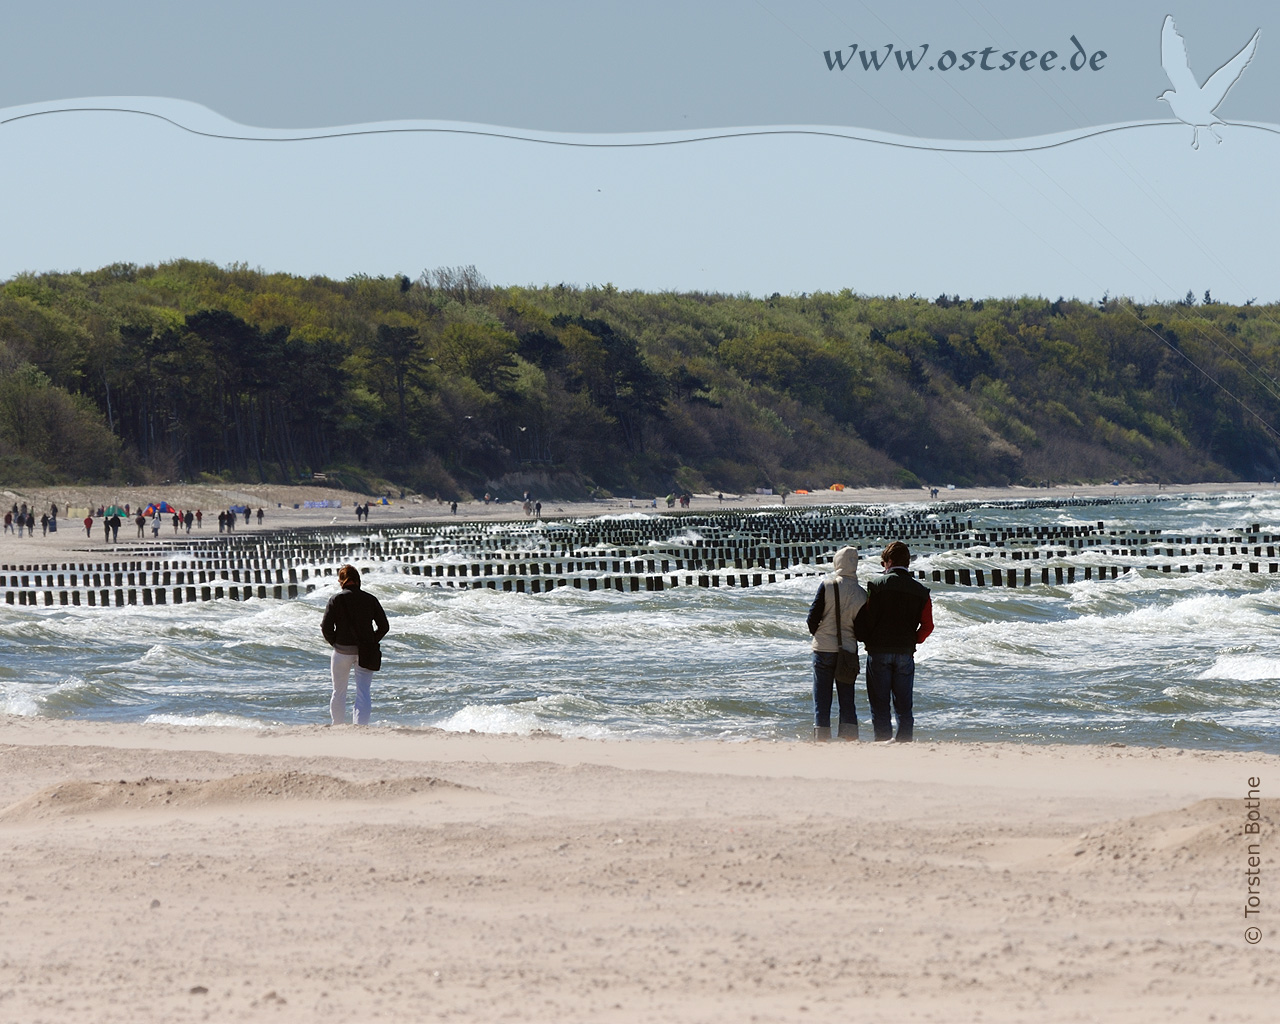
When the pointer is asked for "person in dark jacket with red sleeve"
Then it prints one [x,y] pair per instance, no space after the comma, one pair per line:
[897,616]
[352,619]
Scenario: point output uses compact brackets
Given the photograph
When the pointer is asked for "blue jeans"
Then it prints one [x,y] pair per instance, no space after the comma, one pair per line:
[824,678]
[891,676]
[342,666]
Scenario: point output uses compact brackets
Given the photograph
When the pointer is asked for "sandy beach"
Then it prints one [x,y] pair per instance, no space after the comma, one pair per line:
[153,873]
[278,503]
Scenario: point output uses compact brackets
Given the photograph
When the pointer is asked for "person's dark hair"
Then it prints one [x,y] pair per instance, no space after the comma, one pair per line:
[348,576]
[896,553]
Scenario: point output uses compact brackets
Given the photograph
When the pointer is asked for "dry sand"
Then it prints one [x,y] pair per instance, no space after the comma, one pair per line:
[152,873]
[278,501]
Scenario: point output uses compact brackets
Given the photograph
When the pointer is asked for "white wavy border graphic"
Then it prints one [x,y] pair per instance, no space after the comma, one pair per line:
[197,119]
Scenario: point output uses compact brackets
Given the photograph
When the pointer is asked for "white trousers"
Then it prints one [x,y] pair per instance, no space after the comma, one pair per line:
[341,666]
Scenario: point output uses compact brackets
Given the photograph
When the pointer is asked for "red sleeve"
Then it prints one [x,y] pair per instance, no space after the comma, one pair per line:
[926,622]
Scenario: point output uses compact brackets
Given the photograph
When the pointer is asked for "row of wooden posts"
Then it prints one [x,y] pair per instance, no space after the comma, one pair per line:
[727,549]
[120,597]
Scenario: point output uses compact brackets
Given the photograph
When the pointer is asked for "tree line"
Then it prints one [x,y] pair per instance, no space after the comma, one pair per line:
[449,385]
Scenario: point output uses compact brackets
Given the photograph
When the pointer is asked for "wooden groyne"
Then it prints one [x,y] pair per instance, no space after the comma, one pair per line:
[628,554]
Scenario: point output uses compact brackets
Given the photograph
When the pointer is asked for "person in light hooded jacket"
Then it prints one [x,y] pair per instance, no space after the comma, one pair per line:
[822,626]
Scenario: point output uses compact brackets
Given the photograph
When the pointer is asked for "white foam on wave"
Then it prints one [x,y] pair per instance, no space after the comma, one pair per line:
[476,618]
[1243,667]
[18,699]
[1079,633]
[1196,609]
[682,539]
[159,654]
[210,719]
[521,719]
[29,699]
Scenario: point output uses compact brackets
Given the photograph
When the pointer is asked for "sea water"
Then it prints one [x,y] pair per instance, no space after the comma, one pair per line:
[1149,658]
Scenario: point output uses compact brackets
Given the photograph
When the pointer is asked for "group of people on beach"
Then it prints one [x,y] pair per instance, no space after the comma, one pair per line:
[227,518]
[111,523]
[890,617]
[19,518]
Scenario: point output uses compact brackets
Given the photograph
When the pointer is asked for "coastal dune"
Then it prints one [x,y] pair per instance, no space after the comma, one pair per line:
[300,874]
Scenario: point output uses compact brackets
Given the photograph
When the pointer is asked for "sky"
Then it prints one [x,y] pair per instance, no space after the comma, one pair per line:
[706,146]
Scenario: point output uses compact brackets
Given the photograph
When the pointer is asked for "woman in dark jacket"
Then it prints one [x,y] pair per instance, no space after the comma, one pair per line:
[353,619]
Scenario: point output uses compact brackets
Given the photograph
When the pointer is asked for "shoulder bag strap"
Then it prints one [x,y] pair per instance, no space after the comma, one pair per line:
[839,637]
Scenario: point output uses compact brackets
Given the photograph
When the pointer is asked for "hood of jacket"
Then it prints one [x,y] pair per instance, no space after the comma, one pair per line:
[846,562]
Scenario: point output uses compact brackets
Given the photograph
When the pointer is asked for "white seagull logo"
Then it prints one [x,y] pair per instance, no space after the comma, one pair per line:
[1191,102]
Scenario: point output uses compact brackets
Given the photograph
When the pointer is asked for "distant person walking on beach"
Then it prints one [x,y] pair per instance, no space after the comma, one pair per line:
[898,615]
[88,526]
[831,616]
[353,624]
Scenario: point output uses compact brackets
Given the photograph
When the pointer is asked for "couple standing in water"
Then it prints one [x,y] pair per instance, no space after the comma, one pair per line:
[890,617]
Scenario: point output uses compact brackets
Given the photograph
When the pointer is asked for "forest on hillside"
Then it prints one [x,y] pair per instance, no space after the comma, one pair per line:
[449,385]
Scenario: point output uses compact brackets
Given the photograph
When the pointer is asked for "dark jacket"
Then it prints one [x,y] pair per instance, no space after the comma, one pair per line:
[353,617]
[898,614]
